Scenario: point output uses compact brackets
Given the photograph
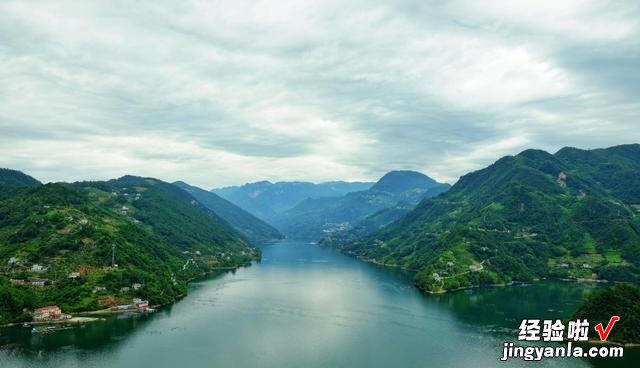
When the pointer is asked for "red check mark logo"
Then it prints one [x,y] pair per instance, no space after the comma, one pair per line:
[605,333]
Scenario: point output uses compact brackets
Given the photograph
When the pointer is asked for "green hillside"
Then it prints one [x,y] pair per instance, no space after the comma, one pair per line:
[250,226]
[15,178]
[57,243]
[574,214]
[622,300]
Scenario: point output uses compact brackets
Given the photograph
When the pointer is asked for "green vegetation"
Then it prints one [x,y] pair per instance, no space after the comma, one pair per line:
[15,178]
[57,243]
[569,215]
[621,300]
[250,226]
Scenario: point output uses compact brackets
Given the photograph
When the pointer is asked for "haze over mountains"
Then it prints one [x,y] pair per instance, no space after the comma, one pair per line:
[314,218]
[311,211]
[265,199]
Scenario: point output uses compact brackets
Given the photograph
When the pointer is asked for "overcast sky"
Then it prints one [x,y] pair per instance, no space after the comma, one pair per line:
[226,92]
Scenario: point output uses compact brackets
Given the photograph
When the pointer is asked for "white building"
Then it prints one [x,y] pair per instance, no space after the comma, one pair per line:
[38,268]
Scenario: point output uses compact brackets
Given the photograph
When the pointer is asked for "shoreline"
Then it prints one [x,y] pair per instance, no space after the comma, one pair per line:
[444,291]
[79,317]
[72,320]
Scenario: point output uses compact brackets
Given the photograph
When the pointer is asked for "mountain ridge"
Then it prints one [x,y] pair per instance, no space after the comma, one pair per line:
[58,243]
[314,218]
[250,226]
[569,215]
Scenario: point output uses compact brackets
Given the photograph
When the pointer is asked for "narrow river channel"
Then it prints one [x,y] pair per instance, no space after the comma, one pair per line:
[304,306]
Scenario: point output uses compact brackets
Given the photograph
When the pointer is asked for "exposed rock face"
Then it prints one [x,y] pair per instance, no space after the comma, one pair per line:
[562,179]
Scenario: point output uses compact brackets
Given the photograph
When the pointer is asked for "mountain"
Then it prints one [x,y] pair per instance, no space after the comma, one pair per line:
[250,226]
[265,200]
[314,218]
[574,214]
[403,181]
[622,300]
[58,242]
[14,178]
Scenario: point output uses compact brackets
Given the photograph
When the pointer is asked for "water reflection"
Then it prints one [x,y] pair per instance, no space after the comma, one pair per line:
[303,306]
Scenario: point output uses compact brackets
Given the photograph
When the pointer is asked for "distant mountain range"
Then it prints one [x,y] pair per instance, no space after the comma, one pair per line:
[58,243]
[265,199]
[573,214]
[314,218]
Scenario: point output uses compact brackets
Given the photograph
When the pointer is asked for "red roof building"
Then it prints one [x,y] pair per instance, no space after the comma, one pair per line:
[47,313]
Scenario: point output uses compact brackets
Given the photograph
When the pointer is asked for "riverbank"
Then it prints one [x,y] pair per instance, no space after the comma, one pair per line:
[72,320]
[443,291]
[108,311]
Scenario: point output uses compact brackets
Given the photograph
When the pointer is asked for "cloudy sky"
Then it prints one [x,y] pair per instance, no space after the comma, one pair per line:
[225,92]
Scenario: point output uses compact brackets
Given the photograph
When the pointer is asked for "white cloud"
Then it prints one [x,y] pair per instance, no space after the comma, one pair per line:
[220,93]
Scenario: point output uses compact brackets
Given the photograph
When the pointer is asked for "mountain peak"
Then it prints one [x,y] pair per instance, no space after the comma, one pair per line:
[15,178]
[402,180]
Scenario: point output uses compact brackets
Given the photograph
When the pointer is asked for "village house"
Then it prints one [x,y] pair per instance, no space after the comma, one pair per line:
[141,304]
[38,282]
[122,307]
[136,286]
[74,275]
[17,282]
[38,268]
[98,288]
[125,289]
[49,313]
[14,261]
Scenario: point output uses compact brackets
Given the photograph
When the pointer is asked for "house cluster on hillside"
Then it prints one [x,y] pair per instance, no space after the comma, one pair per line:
[49,313]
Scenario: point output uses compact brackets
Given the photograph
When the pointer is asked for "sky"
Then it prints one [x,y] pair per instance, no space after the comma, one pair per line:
[225,92]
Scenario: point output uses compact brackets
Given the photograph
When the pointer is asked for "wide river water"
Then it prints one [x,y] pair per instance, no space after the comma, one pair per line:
[304,306]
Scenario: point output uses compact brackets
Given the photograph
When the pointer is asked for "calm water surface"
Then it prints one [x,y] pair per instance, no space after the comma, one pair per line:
[304,306]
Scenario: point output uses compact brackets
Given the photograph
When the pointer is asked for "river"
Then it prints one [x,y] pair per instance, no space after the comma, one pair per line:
[304,306]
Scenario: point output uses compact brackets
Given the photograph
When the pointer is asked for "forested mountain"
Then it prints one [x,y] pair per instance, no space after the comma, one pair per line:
[265,200]
[58,244]
[15,178]
[622,300]
[315,218]
[250,226]
[574,214]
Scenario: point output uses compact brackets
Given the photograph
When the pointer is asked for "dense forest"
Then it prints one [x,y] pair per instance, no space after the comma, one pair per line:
[622,300]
